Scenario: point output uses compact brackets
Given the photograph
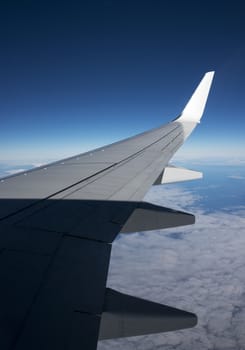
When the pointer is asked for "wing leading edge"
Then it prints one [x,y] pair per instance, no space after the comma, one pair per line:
[57,223]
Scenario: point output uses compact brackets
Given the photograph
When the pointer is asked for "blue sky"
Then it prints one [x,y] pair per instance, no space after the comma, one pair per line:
[76,75]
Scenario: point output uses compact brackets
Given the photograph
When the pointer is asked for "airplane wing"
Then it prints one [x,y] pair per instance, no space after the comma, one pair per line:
[57,224]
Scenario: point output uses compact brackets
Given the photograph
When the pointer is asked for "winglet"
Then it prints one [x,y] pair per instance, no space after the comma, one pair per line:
[193,111]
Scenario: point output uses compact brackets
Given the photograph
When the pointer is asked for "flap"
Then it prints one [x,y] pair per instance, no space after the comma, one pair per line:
[174,174]
[148,216]
[126,316]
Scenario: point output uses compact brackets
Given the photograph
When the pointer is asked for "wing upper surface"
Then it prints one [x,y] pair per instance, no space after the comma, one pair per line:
[101,174]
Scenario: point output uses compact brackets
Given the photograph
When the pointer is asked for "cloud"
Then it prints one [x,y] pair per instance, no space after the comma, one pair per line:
[12,168]
[202,272]
[14,171]
[35,165]
[208,160]
[237,177]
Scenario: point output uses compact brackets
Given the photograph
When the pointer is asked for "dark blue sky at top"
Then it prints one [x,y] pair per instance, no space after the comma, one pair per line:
[79,74]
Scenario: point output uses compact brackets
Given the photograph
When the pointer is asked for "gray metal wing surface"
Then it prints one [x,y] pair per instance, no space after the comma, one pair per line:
[57,224]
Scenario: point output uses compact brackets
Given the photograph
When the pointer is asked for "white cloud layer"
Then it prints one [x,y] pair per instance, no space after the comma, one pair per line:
[208,160]
[237,177]
[14,171]
[201,271]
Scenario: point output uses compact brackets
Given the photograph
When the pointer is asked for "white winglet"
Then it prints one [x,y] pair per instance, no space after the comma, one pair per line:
[194,109]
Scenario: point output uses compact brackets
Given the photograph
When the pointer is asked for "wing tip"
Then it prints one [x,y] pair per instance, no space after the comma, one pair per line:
[194,109]
[210,72]
[210,75]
